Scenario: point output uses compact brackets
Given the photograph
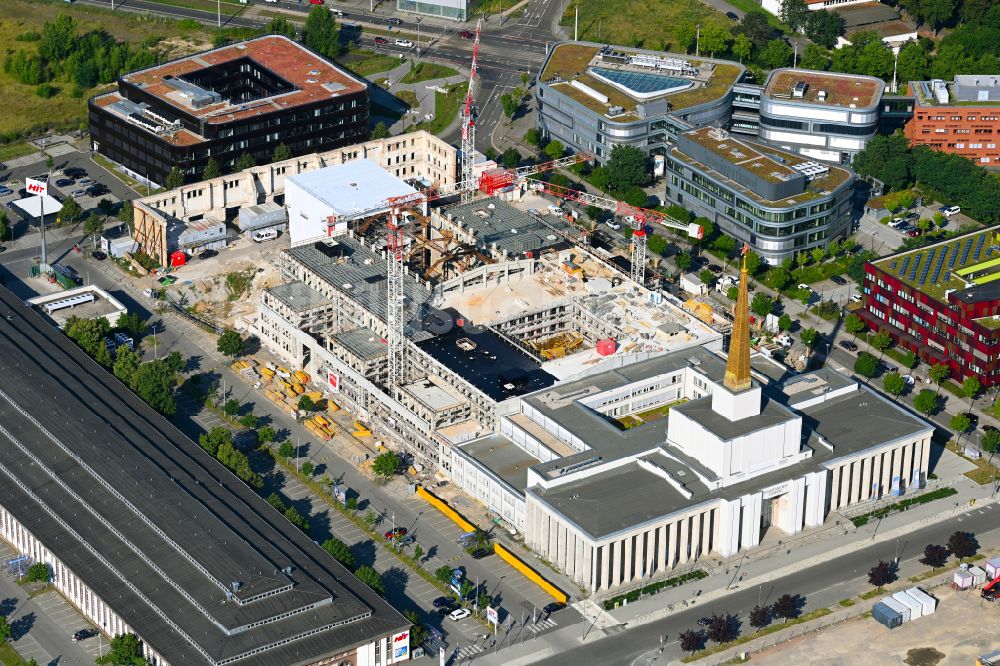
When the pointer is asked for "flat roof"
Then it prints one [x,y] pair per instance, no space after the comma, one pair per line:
[934,269]
[352,187]
[842,90]
[569,61]
[496,222]
[504,458]
[434,393]
[155,526]
[362,342]
[967,90]
[299,297]
[32,206]
[701,412]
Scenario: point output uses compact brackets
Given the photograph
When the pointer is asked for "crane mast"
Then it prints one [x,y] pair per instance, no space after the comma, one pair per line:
[469,128]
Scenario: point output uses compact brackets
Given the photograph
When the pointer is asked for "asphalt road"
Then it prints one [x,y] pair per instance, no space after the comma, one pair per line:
[820,586]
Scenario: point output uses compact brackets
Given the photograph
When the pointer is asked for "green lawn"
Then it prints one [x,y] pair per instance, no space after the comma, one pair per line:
[446,106]
[370,62]
[9,656]
[425,71]
[229,7]
[641,23]
[751,5]
[9,151]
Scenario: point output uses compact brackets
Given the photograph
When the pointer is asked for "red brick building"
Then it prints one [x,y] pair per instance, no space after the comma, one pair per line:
[943,302]
[961,117]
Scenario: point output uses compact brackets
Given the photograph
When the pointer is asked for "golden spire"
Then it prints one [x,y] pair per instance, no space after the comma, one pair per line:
[738,361]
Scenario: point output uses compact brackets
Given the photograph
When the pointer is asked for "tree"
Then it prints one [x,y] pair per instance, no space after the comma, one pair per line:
[939,372]
[249,421]
[125,213]
[509,105]
[725,244]
[934,13]
[690,640]
[5,630]
[443,574]
[154,383]
[742,47]
[962,544]
[212,169]
[886,158]
[753,262]
[339,551]
[684,36]
[761,304]
[306,404]
[286,450]
[386,464]
[627,167]
[881,341]
[39,572]
[810,337]
[510,158]
[814,57]
[533,138]
[280,26]
[371,578]
[794,13]
[126,650]
[720,629]
[231,408]
[174,179]
[656,245]
[707,277]
[881,574]
[683,260]
[380,131]
[854,325]
[308,468]
[635,196]
[776,53]
[71,211]
[990,441]
[105,206]
[960,423]
[777,278]
[418,632]
[126,366]
[418,552]
[786,607]
[732,293]
[715,38]
[760,617]
[934,555]
[266,435]
[244,161]
[785,322]
[866,365]
[133,324]
[293,516]
[755,25]
[926,402]
[555,150]
[93,226]
[231,344]
[913,63]
[282,153]
[971,388]
[894,383]
[320,32]
[824,27]
[4,227]
[215,439]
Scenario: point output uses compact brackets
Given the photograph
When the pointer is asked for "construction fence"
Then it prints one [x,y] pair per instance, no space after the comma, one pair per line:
[529,573]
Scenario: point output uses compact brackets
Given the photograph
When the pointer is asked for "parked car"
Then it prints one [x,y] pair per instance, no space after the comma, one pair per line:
[84,181]
[715,268]
[699,260]
[480,553]
[805,286]
[337,12]
[849,346]
[74,172]
[64,182]
[466,34]
[4,191]
[973,420]
[404,43]
[395,533]
[950,210]
[913,233]
[208,254]
[856,298]
[460,614]
[96,190]
[614,225]
[554,607]
[392,20]
[76,194]
[97,254]
[315,2]
[836,279]
[555,210]
[885,368]
[443,602]
[381,40]
[84,634]
[704,622]
[896,222]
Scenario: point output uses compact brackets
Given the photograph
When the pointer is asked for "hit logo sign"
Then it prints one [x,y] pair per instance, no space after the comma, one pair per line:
[36,187]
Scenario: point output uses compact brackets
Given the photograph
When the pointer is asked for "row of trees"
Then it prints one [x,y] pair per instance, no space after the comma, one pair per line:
[723,628]
[218,443]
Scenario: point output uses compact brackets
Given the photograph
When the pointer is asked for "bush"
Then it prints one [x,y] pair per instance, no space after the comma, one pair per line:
[39,572]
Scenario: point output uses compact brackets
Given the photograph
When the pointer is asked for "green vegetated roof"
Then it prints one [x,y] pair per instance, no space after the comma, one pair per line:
[952,264]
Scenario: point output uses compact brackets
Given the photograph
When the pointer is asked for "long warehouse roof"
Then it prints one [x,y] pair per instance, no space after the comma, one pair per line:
[185,553]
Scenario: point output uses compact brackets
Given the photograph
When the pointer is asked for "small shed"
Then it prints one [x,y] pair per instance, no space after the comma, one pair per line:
[962,579]
[993,567]
[263,216]
[691,283]
[177,258]
[978,576]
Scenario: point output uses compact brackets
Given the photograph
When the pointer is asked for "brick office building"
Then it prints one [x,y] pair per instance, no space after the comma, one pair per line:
[943,302]
[242,98]
[961,117]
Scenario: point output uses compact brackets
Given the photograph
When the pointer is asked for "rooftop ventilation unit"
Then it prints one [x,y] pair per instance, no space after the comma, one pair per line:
[811,169]
[799,89]
[616,110]
[821,95]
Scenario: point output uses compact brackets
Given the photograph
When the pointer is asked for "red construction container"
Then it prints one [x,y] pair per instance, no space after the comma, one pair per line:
[606,347]
[177,258]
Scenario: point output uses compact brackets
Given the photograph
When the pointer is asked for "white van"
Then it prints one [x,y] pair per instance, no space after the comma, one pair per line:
[262,235]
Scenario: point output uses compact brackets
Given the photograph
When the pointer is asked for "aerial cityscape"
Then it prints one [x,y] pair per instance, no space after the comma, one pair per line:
[558,332]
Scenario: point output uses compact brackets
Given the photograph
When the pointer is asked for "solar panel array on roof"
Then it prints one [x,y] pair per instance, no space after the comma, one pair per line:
[979,247]
[906,262]
[892,265]
[966,246]
[914,267]
[927,267]
[954,255]
[939,265]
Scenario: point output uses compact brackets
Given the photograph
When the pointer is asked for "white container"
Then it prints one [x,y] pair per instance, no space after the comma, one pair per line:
[928,602]
[978,576]
[962,579]
[993,567]
[916,608]
[898,607]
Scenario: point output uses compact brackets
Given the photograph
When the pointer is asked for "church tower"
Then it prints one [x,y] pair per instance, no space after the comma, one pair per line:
[738,362]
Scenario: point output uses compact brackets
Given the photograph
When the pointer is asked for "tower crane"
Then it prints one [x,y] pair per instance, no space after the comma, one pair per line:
[469,126]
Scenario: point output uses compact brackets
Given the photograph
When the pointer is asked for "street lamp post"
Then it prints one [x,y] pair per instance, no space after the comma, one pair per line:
[418,36]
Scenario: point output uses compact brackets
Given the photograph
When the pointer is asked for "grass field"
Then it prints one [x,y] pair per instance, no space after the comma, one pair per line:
[641,23]
[366,63]
[445,109]
[9,657]
[425,71]
[24,112]
[9,151]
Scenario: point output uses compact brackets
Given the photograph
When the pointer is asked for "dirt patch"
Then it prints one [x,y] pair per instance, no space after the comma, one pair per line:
[926,656]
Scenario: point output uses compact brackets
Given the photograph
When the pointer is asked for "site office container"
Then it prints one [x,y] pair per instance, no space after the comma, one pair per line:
[886,616]
[962,579]
[898,607]
[928,602]
[916,608]
[978,576]
[993,568]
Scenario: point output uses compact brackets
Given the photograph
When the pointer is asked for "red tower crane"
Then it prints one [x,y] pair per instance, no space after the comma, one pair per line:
[469,126]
